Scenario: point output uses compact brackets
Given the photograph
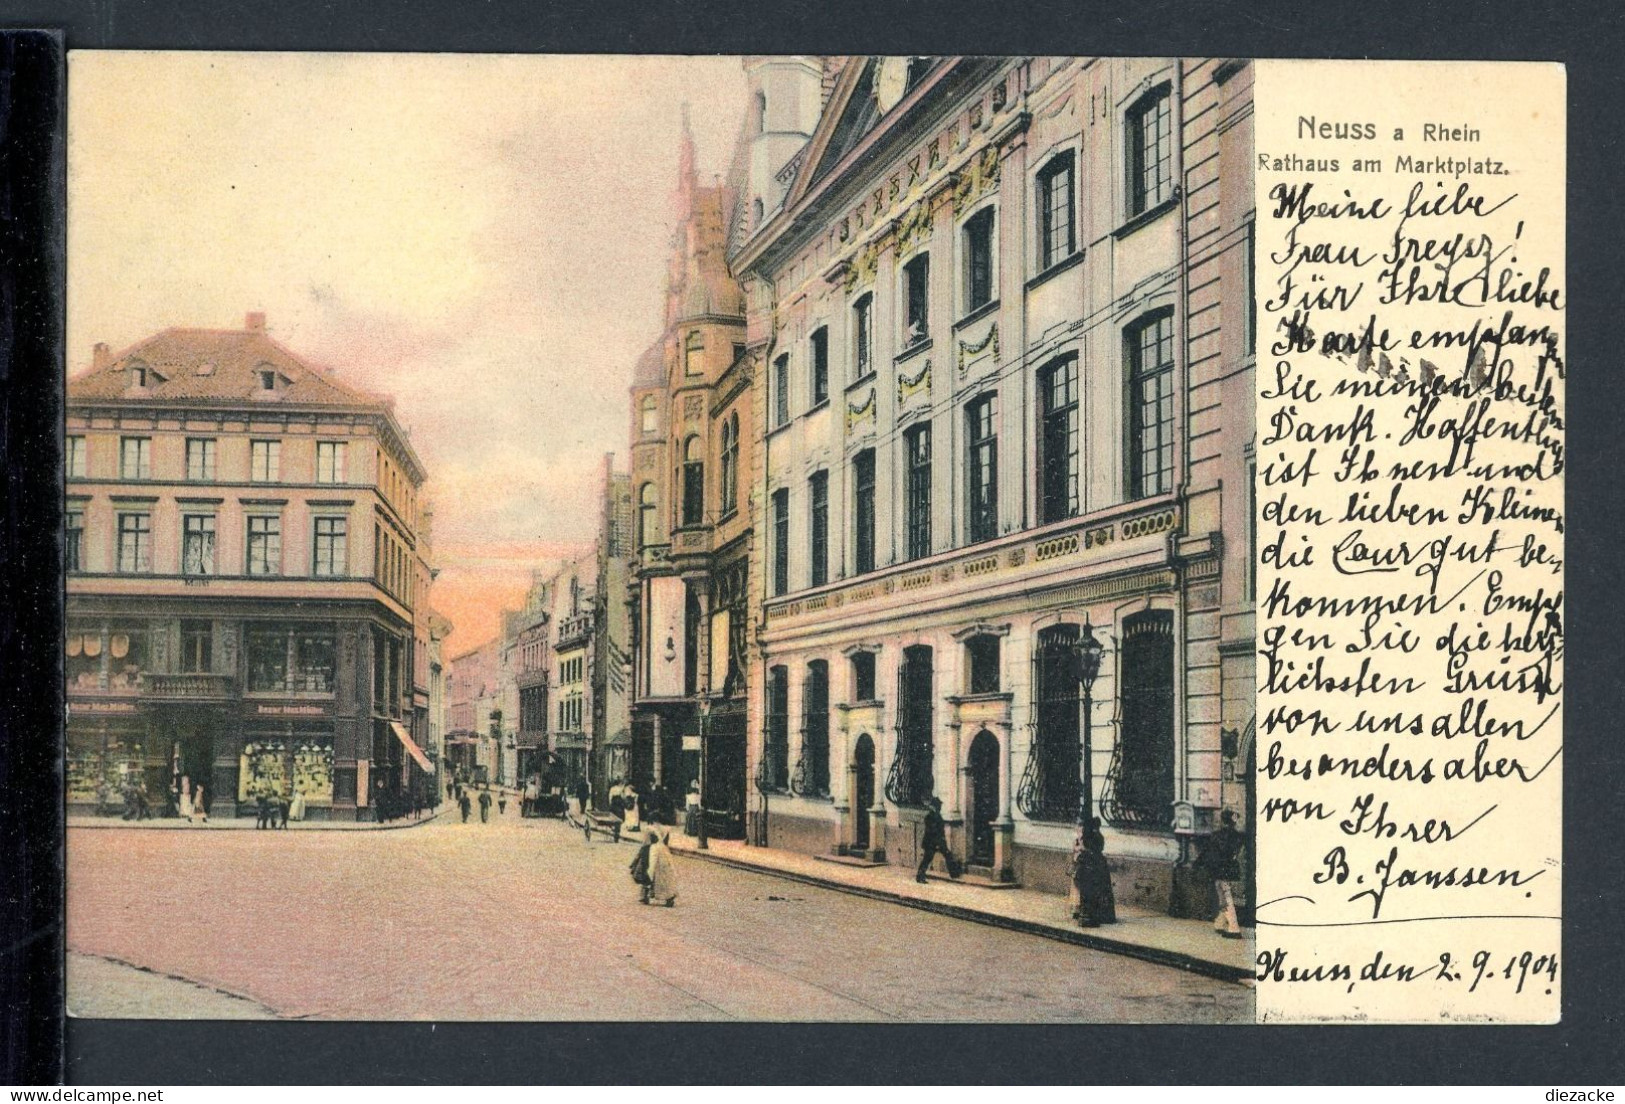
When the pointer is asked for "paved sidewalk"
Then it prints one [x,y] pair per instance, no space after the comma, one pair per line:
[1187,944]
[238,823]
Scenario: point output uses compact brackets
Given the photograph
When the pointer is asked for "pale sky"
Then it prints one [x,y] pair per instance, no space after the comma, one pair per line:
[483,237]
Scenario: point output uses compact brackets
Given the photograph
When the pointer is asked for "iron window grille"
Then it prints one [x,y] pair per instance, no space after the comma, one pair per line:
[1139,790]
[818,487]
[909,781]
[982,476]
[1057,233]
[1051,785]
[917,445]
[863,521]
[1058,462]
[1151,406]
[1150,150]
[812,769]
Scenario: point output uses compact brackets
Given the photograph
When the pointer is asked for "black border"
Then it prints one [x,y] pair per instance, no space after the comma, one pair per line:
[1585,35]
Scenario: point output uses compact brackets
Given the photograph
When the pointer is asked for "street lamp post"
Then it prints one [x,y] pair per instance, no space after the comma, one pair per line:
[1088,654]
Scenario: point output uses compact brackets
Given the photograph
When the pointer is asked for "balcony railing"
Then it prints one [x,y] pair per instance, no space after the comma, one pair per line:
[572,629]
[189,687]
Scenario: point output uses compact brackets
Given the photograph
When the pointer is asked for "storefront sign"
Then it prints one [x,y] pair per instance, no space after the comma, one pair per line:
[102,707]
[263,709]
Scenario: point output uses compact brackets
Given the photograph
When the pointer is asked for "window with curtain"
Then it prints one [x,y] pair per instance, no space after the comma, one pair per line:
[197,544]
[134,543]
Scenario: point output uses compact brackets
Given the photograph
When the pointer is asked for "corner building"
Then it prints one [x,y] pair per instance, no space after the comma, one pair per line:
[1004,427]
[247,573]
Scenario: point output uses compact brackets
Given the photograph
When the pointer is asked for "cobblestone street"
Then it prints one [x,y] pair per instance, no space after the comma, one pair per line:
[523,920]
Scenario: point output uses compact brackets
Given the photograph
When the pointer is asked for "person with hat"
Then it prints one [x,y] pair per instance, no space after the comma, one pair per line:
[934,841]
[1221,853]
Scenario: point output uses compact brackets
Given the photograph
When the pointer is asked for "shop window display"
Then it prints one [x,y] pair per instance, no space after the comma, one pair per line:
[282,767]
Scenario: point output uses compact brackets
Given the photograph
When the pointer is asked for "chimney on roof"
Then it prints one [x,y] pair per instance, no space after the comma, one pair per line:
[254,321]
[100,356]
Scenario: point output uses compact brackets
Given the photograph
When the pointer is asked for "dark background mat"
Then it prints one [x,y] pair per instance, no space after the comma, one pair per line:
[38,1046]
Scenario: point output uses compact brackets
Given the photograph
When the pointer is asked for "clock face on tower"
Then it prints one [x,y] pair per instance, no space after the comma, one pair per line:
[891,82]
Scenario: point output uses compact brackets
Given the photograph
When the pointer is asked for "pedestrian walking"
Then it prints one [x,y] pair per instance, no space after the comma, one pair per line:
[633,821]
[662,871]
[200,805]
[1092,877]
[934,841]
[283,808]
[485,806]
[1221,854]
[262,809]
[465,805]
[640,868]
[691,810]
[583,798]
[502,803]
[617,800]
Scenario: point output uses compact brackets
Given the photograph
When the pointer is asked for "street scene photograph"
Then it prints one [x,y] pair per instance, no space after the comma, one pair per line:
[660,538]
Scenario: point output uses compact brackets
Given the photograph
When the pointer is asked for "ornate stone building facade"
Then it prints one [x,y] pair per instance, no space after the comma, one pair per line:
[247,575]
[1002,428]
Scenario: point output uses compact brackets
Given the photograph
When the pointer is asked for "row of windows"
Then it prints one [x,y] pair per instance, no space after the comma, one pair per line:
[570,714]
[262,549]
[265,460]
[1150,184]
[1149,349]
[1138,789]
[393,564]
[570,670]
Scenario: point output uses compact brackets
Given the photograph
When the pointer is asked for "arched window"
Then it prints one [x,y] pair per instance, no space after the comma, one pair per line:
[693,483]
[1058,440]
[650,416]
[910,780]
[1051,786]
[729,479]
[1140,782]
[812,772]
[646,515]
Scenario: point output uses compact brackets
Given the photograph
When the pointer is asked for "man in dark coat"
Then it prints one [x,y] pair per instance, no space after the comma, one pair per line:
[1221,854]
[262,806]
[584,796]
[934,841]
[485,806]
[464,804]
[282,805]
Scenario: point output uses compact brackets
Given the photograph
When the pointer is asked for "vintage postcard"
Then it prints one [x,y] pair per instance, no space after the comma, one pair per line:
[812,538]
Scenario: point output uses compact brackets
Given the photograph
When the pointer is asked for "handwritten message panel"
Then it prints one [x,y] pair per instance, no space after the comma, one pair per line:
[1410,539]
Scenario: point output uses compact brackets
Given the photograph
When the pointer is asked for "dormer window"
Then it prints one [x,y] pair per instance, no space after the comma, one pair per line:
[267,379]
[138,376]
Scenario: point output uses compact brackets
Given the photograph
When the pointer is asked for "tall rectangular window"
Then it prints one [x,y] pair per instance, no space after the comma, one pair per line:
[694,354]
[917,452]
[781,541]
[982,470]
[332,462]
[197,544]
[781,390]
[73,457]
[863,676]
[1151,406]
[197,647]
[814,770]
[73,541]
[200,466]
[265,461]
[264,544]
[1058,441]
[820,366]
[978,235]
[863,337]
[1150,150]
[135,458]
[693,477]
[134,543]
[778,728]
[863,511]
[917,300]
[818,492]
[1057,234]
[331,546]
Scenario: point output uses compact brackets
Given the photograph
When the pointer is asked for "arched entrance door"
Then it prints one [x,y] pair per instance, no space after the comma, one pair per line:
[984,796]
[863,789]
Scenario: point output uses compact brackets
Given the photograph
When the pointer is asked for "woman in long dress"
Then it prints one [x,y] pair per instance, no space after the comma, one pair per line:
[296,808]
[200,806]
[633,821]
[662,872]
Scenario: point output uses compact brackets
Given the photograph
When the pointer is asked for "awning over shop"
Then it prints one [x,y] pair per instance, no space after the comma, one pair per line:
[410,745]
